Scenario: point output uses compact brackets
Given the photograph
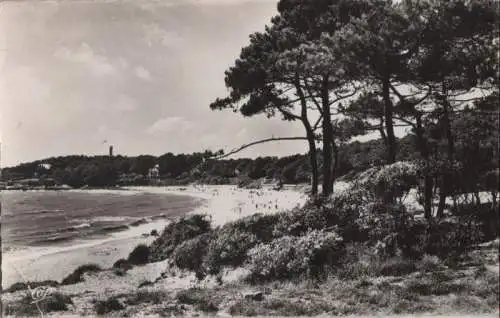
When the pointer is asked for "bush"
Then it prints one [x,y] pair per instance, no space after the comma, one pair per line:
[139,256]
[189,254]
[145,283]
[77,275]
[26,306]
[396,179]
[397,266]
[299,221]
[122,264]
[446,238]
[177,232]
[103,307]
[56,302]
[429,263]
[228,247]
[146,296]
[23,286]
[198,298]
[290,256]
[484,215]
[261,225]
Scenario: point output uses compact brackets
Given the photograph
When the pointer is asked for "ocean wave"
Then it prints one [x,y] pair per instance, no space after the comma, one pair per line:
[54,239]
[112,218]
[44,211]
[113,228]
[140,221]
[81,226]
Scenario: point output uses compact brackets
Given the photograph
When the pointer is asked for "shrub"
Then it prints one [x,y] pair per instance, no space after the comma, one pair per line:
[299,221]
[189,254]
[103,307]
[261,225]
[397,266]
[26,306]
[198,298]
[139,256]
[396,179]
[228,248]
[145,296]
[290,256]
[429,263]
[279,307]
[145,283]
[56,302]
[177,232]
[450,238]
[77,275]
[23,286]
[122,264]
[484,215]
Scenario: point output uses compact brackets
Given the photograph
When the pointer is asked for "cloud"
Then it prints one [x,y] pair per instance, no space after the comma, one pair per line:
[84,54]
[171,125]
[155,34]
[142,73]
[124,104]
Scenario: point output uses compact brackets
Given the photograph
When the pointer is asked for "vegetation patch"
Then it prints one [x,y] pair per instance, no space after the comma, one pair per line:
[107,306]
[122,264]
[190,254]
[177,232]
[147,296]
[289,256]
[278,307]
[23,286]
[201,299]
[77,275]
[228,247]
[139,255]
[27,307]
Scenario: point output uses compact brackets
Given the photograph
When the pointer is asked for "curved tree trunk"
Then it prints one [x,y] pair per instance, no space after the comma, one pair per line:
[311,140]
[313,160]
[388,117]
[391,137]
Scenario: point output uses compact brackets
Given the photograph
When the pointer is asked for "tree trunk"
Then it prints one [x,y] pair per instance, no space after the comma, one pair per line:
[310,139]
[335,166]
[327,140]
[382,131]
[388,114]
[442,199]
[478,198]
[494,200]
[428,182]
[446,178]
[312,158]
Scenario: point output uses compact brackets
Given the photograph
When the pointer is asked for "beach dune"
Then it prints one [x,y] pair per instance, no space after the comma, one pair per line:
[222,203]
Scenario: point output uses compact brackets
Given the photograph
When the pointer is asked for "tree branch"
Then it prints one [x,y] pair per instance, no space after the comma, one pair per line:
[232,152]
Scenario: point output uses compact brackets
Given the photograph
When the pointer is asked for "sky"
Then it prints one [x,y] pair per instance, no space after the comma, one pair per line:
[79,75]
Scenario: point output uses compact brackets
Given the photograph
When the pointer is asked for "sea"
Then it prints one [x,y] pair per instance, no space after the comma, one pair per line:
[58,218]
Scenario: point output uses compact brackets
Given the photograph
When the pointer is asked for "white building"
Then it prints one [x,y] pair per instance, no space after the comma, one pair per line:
[154,173]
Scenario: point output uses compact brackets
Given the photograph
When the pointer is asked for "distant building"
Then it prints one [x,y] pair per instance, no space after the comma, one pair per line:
[154,173]
[42,169]
[111,151]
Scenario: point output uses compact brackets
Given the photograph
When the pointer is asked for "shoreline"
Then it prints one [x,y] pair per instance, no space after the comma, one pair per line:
[222,203]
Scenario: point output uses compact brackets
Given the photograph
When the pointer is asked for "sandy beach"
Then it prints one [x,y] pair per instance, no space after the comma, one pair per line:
[222,203]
